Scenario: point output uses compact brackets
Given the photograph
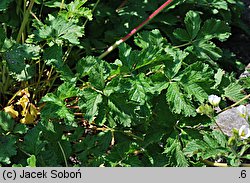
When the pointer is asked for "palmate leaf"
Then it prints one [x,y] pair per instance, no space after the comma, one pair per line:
[54,111]
[152,47]
[75,10]
[199,37]
[147,39]
[59,29]
[192,23]
[197,80]
[193,89]
[67,90]
[211,28]
[191,83]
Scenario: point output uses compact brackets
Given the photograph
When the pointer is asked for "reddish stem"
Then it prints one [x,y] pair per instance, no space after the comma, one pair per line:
[117,43]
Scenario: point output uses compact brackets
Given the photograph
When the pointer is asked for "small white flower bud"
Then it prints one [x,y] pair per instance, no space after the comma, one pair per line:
[214,100]
[244,132]
[242,111]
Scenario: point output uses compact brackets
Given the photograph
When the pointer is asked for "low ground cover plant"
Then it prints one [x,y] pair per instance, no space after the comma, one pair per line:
[153,101]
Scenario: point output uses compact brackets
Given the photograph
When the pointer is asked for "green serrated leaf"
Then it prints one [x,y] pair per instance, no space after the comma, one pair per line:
[119,111]
[193,89]
[65,113]
[220,137]
[206,50]
[59,29]
[180,158]
[75,11]
[50,97]
[218,77]
[20,129]
[209,147]
[97,76]
[192,23]
[178,103]
[17,57]
[127,57]
[6,121]
[213,28]
[173,66]
[53,57]
[195,147]
[93,99]
[9,149]
[233,92]
[31,161]
[139,88]
[55,106]
[173,151]
[67,90]
[33,144]
[146,39]
[182,35]
[85,65]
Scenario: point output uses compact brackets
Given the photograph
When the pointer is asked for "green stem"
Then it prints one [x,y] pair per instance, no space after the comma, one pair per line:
[237,103]
[135,30]
[25,21]
[213,120]
[63,153]
[182,45]
[61,6]
[86,21]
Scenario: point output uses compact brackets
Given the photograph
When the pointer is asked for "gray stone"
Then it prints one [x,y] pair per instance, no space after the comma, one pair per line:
[230,119]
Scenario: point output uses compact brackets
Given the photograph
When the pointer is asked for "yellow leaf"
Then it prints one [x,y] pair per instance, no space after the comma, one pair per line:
[24,101]
[33,111]
[30,115]
[28,119]
[11,111]
[23,92]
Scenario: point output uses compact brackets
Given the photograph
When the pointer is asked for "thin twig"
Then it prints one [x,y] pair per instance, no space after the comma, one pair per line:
[237,103]
[86,21]
[117,43]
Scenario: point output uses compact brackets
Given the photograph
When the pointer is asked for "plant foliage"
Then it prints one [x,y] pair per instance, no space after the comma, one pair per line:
[61,105]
